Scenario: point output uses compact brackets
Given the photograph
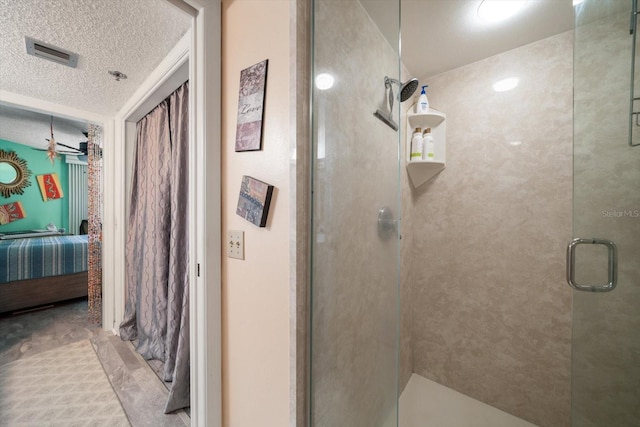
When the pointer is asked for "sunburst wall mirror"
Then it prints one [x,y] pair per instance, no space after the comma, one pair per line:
[14,174]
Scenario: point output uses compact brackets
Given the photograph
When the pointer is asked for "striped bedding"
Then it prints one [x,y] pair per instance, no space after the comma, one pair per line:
[39,257]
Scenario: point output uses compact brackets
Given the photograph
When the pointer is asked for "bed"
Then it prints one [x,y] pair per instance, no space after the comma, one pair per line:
[42,270]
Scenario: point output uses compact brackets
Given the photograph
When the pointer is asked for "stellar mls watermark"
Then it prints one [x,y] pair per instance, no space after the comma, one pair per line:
[621,213]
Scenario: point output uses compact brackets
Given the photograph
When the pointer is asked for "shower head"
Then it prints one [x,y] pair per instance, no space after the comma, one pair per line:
[406,89]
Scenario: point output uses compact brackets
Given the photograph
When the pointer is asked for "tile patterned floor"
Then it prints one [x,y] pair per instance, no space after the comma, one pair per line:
[64,387]
[140,391]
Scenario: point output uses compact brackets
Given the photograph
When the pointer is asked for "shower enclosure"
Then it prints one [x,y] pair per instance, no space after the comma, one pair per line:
[605,373]
[479,303]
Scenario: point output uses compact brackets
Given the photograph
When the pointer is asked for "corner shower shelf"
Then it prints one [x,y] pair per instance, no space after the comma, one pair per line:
[421,171]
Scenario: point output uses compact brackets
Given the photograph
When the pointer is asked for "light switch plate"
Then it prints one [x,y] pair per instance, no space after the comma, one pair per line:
[235,244]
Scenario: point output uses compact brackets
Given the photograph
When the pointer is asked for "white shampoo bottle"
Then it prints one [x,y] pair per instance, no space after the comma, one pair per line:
[417,145]
[428,146]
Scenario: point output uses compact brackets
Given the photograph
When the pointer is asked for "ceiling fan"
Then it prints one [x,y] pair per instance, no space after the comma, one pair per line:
[53,150]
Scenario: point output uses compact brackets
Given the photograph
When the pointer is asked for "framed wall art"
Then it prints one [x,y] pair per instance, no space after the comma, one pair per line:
[253,87]
[254,200]
[50,187]
[11,212]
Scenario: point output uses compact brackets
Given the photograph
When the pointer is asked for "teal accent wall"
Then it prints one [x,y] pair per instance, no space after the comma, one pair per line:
[38,212]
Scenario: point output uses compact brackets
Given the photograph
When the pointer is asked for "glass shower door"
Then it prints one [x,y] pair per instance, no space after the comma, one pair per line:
[606,261]
[354,263]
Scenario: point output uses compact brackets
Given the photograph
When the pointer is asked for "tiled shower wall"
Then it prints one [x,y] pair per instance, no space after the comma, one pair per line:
[487,236]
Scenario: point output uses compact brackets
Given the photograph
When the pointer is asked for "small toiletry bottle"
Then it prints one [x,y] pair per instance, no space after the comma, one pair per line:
[428,146]
[423,103]
[417,145]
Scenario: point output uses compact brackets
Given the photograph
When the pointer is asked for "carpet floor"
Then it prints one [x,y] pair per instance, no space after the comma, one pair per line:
[66,386]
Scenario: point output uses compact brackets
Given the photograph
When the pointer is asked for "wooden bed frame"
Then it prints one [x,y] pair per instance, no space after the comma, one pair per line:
[33,292]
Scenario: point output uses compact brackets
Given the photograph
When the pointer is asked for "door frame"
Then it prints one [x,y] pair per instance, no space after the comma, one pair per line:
[202,48]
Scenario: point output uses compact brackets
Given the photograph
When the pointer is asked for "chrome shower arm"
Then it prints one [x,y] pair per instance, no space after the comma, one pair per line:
[389,80]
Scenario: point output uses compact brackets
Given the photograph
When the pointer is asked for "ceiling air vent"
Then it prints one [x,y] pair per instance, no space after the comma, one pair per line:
[52,53]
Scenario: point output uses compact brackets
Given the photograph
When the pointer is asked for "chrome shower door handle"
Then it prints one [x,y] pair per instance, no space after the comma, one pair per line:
[613,265]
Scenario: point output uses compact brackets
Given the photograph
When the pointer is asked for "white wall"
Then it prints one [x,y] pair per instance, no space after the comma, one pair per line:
[255,292]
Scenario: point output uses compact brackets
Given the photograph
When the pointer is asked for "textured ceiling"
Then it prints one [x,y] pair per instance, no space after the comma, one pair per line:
[131,36]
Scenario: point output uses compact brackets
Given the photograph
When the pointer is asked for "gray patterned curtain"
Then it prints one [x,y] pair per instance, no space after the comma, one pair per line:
[157,305]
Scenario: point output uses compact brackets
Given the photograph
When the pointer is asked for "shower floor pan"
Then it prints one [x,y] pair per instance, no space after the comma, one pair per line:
[427,403]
